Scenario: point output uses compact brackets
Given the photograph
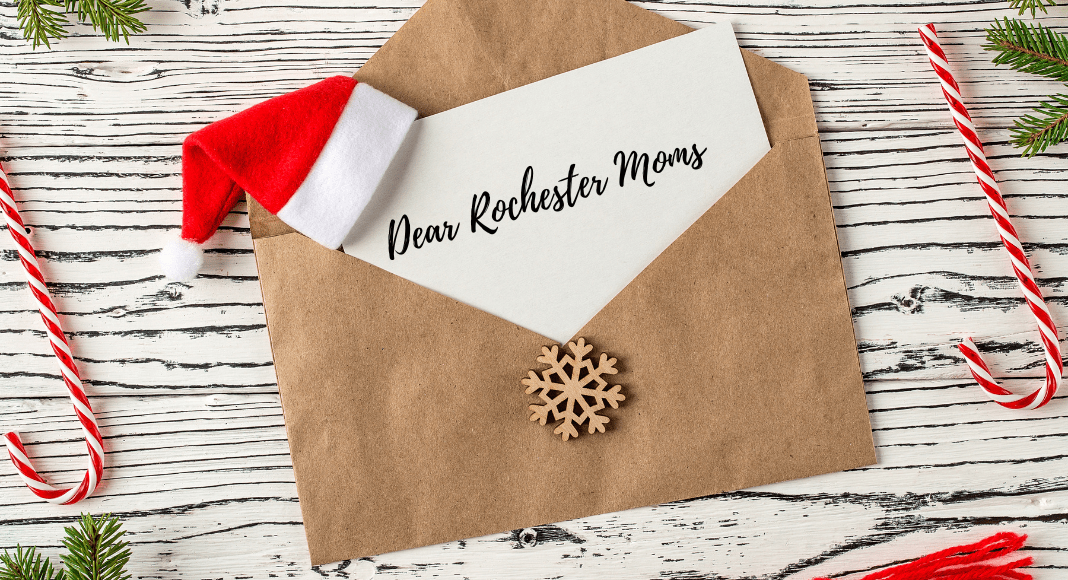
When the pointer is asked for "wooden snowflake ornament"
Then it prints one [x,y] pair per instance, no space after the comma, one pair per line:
[573,389]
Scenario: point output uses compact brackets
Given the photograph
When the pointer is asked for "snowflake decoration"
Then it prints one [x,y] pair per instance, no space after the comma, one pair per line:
[581,387]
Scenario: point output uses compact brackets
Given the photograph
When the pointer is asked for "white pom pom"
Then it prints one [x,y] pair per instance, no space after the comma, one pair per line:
[181,260]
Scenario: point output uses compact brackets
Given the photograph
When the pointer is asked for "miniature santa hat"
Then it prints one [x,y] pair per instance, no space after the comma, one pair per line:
[312,157]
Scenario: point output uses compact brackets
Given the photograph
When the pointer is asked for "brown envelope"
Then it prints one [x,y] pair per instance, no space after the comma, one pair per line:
[407,422]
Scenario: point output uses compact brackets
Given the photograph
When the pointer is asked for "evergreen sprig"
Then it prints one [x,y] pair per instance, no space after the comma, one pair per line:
[1032,5]
[40,21]
[96,550]
[27,564]
[1048,125]
[1034,49]
[44,20]
[112,17]
[1030,48]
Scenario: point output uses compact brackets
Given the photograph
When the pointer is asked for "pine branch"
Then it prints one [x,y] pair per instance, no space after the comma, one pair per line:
[1047,126]
[39,22]
[96,551]
[27,564]
[1032,5]
[1029,48]
[114,18]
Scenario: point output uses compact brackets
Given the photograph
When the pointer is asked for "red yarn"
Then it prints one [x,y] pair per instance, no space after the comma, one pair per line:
[971,562]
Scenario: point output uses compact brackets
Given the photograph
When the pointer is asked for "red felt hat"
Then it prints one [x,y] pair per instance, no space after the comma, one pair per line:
[312,157]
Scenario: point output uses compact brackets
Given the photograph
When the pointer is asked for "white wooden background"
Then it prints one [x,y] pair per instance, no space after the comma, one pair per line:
[182,379]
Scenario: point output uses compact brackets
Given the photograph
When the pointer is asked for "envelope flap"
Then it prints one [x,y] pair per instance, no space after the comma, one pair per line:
[518,43]
[513,44]
[783,98]
[453,52]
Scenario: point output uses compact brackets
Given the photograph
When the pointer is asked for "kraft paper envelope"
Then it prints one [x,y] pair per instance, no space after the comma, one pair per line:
[407,422]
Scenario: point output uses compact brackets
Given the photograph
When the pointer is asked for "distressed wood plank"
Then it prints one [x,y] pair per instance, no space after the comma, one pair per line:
[182,376]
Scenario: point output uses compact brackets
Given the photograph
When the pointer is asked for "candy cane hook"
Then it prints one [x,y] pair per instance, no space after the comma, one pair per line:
[93,441]
[1050,342]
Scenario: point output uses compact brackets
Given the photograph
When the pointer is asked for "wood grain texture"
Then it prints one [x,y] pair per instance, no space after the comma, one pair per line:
[181,374]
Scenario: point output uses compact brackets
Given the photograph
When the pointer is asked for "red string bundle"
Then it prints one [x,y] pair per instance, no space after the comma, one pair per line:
[972,562]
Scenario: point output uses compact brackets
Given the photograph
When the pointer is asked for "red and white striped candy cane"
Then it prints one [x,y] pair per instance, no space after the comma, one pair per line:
[1048,331]
[93,441]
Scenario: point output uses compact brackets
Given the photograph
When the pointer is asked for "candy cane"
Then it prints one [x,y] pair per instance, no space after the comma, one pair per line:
[93,441]
[1050,342]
